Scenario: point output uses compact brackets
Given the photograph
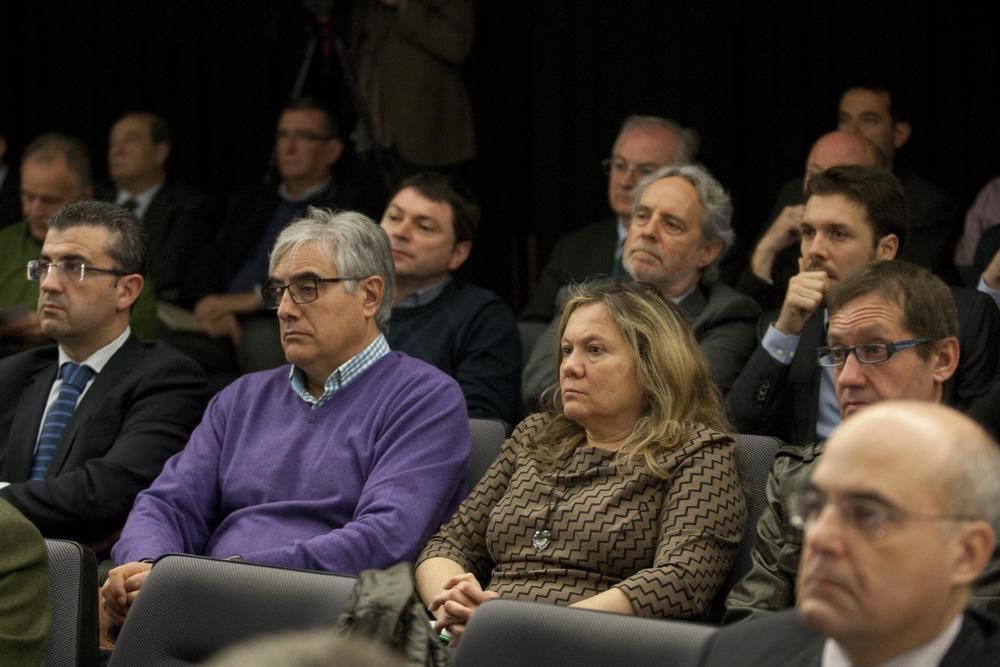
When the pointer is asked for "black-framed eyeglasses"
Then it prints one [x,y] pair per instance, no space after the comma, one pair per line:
[302,290]
[866,353]
[621,167]
[302,135]
[870,516]
[75,269]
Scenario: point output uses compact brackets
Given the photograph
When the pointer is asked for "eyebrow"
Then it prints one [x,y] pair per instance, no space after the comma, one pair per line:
[296,276]
[72,257]
[867,496]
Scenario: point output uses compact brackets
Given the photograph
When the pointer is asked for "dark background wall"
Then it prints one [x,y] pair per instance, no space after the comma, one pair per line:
[550,79]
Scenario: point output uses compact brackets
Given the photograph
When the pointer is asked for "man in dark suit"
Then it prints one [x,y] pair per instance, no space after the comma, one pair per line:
[88,423]
[853,216]
[644,144]
[899,517]
[225,280]
[680,229]
[178,219]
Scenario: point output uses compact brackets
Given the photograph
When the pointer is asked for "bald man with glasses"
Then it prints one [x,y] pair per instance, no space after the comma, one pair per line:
[892,334]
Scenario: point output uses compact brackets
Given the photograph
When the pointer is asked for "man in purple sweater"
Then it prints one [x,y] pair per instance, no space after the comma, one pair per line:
[348,460]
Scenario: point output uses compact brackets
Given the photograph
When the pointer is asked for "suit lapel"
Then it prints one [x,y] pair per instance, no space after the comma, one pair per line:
[104,383]
[28,419]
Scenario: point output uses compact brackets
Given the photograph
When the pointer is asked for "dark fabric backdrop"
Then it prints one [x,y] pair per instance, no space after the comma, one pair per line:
[550,79]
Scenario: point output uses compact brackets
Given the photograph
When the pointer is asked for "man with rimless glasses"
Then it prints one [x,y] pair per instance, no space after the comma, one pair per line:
[893,334]
[347,459]
[898,517]
[88,423]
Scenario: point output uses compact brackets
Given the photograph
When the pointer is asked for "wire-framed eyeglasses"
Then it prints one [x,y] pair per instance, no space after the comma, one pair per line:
[866,353]
[74,269]
[867,515]
[302,290]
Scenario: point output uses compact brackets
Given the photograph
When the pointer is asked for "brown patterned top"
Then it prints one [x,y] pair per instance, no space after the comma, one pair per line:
[667,544]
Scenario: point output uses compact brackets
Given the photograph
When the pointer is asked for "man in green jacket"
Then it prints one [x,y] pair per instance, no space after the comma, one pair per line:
[24,589]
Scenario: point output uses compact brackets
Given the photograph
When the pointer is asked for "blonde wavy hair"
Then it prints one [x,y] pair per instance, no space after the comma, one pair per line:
[679,393]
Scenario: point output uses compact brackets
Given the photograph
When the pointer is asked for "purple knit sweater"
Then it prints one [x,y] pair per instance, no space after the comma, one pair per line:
[360,482]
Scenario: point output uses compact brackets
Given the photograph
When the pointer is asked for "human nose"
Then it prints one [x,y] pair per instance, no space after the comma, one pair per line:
[824,532]
[571,365]
[851,373]
[52,280]
[287,308]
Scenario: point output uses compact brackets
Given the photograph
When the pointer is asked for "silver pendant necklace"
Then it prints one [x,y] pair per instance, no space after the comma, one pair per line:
[542,537]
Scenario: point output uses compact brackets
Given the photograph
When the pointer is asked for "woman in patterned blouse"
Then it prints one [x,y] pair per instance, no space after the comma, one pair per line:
[622,496]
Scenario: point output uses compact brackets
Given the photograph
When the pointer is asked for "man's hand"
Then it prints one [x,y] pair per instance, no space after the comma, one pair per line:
[783,232]
[806,291]
[992,272]
[456,604]
[226,326]
[214,306]
[26,329]
[121,589]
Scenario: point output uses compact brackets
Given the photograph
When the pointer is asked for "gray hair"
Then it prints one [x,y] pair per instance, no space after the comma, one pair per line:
[974,487]
[352,242]
[717,223]
[688,137]
[126,246]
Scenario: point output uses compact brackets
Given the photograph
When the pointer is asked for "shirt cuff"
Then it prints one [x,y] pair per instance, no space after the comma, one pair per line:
[3,484]
[780,346]
[989,291]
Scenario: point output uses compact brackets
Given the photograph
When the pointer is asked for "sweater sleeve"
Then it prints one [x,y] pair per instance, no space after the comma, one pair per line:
[180,510]
[463,539]
[701,523]
[417,476]
[489,367]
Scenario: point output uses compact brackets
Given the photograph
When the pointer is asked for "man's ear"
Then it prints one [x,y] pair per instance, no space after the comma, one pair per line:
[334,149]
[459,254]
[973,545]
[372,292]
[161,152]
[887,247]
[901,133]
[129,289]
[709,253]
[946,356]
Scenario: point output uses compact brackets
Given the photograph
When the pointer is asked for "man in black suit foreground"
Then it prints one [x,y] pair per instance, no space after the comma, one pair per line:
[899,517]
[73,460]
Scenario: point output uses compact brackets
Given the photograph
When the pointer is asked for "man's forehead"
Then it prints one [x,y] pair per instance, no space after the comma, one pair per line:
[860,100]
[302,118]
[867,315]
[304,259]
[647,144]
[133,126]
[85,241]
[416,203]
[835,208]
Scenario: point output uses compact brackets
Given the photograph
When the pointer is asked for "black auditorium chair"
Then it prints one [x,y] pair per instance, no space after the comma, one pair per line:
[191,607]
[487,436]
[511,633]
[72,636]
[756,456]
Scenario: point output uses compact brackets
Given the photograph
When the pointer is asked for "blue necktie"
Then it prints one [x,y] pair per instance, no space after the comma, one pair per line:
[74,379]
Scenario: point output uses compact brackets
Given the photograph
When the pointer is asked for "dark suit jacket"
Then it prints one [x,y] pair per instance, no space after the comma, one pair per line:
[179,221]
[138,412]
[770,398]
[721,318]
[780,639]
[246,221]
[578,255]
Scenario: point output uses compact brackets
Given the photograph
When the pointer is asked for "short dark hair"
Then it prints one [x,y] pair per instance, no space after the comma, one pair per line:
[315,104]
[53,145]
[877,191]
[929,310]
[441,188]
[898,106]
[126,247]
